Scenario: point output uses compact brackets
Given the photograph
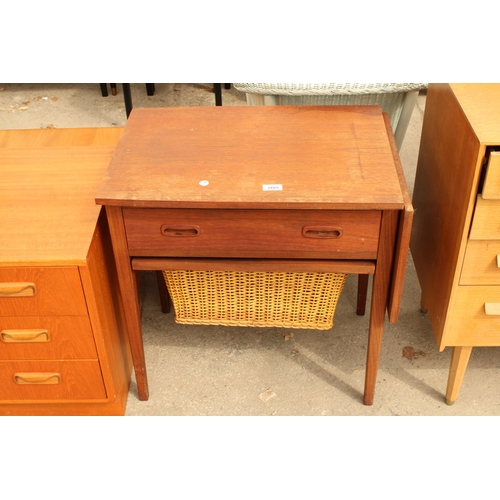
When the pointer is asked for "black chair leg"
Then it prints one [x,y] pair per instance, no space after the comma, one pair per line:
[150,88]
[227,86]
[104,89]
[127,97]
[218,94]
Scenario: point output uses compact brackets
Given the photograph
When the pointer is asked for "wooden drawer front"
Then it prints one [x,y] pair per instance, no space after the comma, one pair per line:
[468,322]
[486,222]
[491,187]
[47,337]
[43,291]
[252,233]
[50,380]
[481,263]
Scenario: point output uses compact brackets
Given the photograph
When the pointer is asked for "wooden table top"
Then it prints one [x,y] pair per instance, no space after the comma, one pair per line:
[47,209]
[481,104]
[224,157]
[60,137]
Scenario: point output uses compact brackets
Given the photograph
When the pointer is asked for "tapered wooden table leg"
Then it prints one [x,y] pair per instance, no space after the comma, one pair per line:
[362,294]
[130,298]
[163,292]
[459,360]
[380,296]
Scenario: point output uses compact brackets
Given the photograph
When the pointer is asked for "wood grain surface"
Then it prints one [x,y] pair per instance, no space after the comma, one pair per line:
[253,233]
[443,199]
[47,205]
[62,137]
[318,155]
[480,103]
[79,379]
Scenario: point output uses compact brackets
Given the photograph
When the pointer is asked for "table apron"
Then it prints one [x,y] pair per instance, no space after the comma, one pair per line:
[301,234]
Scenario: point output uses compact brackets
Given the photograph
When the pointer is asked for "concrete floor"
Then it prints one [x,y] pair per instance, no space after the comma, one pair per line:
[197,370]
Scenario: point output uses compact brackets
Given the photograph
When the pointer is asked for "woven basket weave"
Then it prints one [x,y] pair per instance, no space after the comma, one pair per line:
[301,89]
[261,299]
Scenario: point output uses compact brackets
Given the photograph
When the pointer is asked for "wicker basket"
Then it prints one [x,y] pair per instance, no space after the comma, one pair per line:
[261,299]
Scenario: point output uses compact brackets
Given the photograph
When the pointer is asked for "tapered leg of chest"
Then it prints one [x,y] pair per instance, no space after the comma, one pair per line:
[129,293]
[459,361]
[379,301]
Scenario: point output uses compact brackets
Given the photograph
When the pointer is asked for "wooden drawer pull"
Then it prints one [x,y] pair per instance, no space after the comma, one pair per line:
[24,336]
[17,289]
[492,308]
[37,378]
[498,261]
[182,231]
[321,232]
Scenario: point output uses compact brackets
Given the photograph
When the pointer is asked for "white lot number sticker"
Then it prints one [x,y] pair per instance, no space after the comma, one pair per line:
[272,187]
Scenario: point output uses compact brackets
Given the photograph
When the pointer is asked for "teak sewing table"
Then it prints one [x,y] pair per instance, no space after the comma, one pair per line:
[285,188]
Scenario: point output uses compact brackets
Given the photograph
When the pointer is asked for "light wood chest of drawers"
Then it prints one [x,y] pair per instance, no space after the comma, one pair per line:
[456,232]
[63,349]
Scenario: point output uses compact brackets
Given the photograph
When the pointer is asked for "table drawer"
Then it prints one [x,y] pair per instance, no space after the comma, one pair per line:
[46,337]
[50,380]
[486,221]
[469,321]
[41,291]
[252,233]
[481,263]
[491,187]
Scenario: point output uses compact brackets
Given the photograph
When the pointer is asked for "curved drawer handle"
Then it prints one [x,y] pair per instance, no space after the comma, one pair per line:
[322,232]
[498,261]
[37,378]
[179,231]
[24,336]
[492,308]
[17,290]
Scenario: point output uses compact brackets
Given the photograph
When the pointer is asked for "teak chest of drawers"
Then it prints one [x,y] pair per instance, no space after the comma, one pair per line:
[282,189]
[456,233]
[63,348]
